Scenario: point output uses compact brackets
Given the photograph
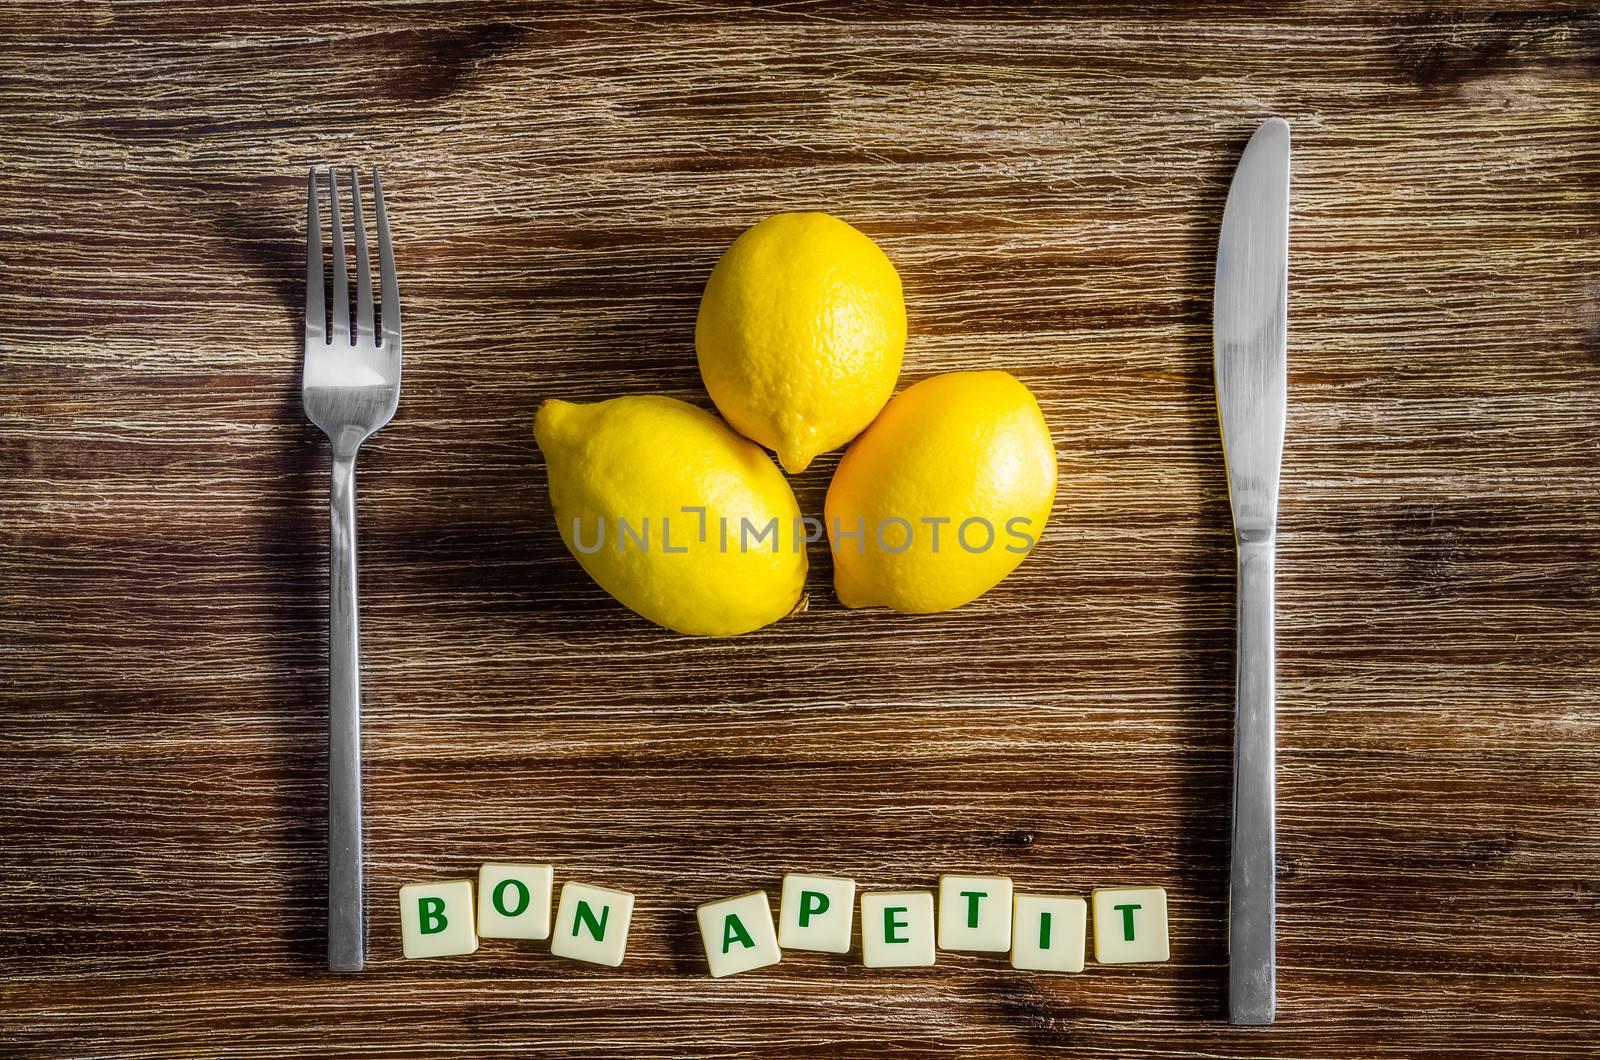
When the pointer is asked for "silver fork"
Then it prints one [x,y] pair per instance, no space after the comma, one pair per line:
[350,387]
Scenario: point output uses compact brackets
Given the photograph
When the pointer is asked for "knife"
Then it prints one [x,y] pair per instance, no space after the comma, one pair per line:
[1250,333]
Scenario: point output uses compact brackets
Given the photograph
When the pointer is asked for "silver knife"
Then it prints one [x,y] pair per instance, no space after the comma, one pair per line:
[1250,332]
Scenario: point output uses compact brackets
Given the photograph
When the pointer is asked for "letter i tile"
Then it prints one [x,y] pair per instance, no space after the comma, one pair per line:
[1047,932]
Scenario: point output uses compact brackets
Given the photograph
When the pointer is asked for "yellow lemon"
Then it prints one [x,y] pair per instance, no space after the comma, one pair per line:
[800,334]
[942,496]
[673,513]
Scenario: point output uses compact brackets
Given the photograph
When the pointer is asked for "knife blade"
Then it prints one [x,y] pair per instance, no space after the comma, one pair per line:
[1250,336]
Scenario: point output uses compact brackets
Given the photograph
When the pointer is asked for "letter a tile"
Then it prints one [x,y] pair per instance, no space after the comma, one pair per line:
[737,934]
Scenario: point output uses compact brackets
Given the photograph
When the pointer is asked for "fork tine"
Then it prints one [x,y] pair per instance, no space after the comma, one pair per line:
[316,314]
[363,263]
[341,278]
[386,275]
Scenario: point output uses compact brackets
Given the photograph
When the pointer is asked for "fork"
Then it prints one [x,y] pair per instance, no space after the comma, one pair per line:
[350,387]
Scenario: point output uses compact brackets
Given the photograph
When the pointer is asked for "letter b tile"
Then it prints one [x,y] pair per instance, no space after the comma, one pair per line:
[436,919]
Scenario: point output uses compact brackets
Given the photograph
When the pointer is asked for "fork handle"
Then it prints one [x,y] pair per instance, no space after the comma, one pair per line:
[346,947]
[1252,896]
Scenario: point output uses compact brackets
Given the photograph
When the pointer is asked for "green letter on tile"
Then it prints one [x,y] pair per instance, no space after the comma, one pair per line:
[499,897]
[973,898]
[733,931]
[1044,930]
[891,924]
[1127,919]
[597,925]
[430,916]
[812,903]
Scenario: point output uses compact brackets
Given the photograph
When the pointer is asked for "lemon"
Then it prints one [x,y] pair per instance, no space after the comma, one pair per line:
[673,513]
[800,334]
[943,496]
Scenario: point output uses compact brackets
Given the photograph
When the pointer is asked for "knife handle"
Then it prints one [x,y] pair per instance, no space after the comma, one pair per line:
[1252,895]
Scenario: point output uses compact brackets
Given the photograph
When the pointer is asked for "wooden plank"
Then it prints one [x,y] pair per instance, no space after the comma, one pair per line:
[561,179]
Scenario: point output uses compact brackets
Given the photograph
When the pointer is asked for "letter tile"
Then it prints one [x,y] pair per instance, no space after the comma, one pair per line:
[1130,925]
[897,929]
[436,919]
[514,901]
[975,913]
[1047,932]
[592,924]
[816,913]
[737,934]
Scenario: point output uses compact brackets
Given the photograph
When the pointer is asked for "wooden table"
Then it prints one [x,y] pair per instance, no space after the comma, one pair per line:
[561,180]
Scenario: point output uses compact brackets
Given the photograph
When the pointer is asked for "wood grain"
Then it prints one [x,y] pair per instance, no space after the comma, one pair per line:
[1049,180]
